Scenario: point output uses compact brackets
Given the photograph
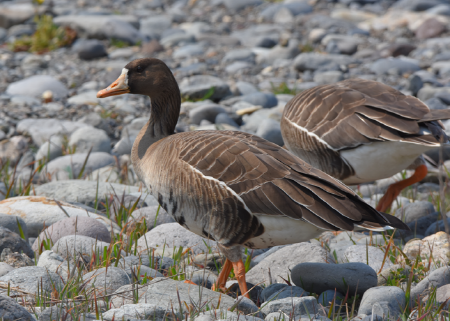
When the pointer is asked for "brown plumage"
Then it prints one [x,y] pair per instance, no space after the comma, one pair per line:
[233,187]
[330,126]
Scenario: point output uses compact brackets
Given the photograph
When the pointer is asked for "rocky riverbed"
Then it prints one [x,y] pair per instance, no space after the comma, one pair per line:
[81,239]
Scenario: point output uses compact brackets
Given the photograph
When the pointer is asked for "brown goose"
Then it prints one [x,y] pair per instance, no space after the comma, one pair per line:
[235,188]
[360,130]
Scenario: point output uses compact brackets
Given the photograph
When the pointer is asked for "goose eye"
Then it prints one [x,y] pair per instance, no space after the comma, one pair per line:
[139,69]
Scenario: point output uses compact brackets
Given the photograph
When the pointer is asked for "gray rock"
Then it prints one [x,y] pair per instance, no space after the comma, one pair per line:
[70,166]
[86,138]
[205,111]
[265,100]
[205,278]
[177,39]
[443,294]
[27,279]
[187,51]
[414,211]
[286,258]
[325,298]
[167,293]
[138,311]
[244,88]
[173,234]
[436,279]
[288,292]
[15,259]
[313,61]
[38,212]
[14,242]
[60,312]
[392,294]
[89,49]
[296,306]
[153,27]
[328,77]
[238,67]
[362,253]
[88,97]
[270,129]
[106,280]
[55,263]
[36,85]
[10,310]
[13,149]
[237,5]
[395,66]
[233,55]
[342,46]
[223,118]
[388,273]
[85,226]
[319,277]
[428,92]
[199,86]
[51,149]
[435,103]
[14,13]
[5,268]
[140,271]
[149,213]
[42,129]
[101,27]
[78,244]
[11,222]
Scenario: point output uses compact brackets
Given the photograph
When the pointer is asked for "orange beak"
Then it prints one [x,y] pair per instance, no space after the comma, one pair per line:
[119,87]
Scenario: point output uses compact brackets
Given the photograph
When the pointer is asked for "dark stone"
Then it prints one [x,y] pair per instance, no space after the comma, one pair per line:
[11,310]
[255,292]
[435,103]
[271,289]
[420,226]
[436,227]
[415,84]
[14,242]
[89,49]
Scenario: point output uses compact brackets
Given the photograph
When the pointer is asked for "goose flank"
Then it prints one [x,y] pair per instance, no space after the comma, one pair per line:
[360,130]
[235,188]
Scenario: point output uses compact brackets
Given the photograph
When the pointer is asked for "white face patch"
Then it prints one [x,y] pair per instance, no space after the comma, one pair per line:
[125,73]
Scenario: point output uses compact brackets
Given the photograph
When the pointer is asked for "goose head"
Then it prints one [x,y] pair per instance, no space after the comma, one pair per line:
[146,76]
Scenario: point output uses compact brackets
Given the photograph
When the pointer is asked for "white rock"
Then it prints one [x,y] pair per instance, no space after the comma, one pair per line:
[86,138]
[37,211]
[42,129]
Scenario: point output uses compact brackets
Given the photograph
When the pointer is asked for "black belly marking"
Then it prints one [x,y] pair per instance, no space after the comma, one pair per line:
[161,202]
[207,235]
[181,220]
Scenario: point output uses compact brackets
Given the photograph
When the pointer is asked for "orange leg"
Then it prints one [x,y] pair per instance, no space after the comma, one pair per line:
[394,190]
[223,276]
[239,272]
[189,282]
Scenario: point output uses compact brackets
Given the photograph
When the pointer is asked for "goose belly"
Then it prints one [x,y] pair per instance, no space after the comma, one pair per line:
[281,230]
[380,160]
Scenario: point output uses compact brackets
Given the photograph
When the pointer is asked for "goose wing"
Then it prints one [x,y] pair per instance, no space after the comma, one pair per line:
[356,112]
[271,181]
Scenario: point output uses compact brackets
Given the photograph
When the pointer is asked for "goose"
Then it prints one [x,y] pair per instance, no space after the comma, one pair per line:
[359,131]
[233,187]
